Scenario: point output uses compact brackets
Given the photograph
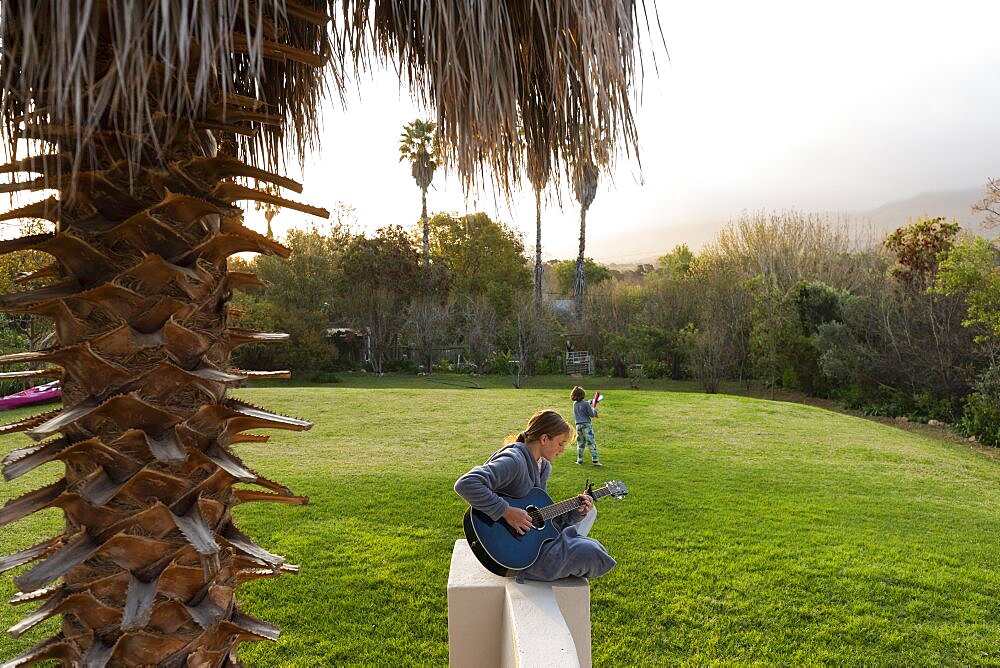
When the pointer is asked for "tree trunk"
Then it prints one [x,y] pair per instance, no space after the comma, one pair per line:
[147,565]
[426,226]
[538,249]
[578,283]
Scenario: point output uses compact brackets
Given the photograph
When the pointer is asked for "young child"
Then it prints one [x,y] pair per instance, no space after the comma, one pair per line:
[583,411]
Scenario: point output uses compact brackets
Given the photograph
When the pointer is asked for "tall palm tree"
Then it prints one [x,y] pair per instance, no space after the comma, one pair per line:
[585,175]
[418,145]
[539,169]
[151,121]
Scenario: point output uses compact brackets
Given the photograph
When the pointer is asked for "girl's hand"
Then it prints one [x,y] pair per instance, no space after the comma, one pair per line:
[518,519]
[586,503]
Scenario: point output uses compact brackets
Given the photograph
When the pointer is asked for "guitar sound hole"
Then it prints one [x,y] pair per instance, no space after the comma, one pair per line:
[536,517]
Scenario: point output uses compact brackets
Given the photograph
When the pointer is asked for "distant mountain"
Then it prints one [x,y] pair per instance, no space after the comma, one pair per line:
[949,204]
[646,245]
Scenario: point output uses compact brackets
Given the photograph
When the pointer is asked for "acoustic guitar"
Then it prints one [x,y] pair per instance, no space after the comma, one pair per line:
[499,547]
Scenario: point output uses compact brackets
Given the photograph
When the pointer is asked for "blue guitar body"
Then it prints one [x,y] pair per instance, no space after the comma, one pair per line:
[499,547]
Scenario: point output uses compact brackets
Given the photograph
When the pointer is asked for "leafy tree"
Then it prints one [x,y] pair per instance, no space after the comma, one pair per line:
[971,269]
[672,308]
[677,262]
[787,247]
[816,303]
[418,146]
[614,312]
[929,347]
[483,259]
[900,351]
[535,333]
[981,416]
[300,299]
[664,352]
[722,303]
[918,247]
[773,326]
[565,272]
[377,279]
[26,269]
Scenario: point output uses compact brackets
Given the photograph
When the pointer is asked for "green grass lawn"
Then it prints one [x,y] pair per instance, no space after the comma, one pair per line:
[755,531]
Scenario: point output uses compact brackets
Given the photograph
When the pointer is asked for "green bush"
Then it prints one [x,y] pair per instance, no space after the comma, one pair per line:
[816,303]
[444,366]
[982,409]
[12,342]
[499,364]
[655,369]
[399,366]
[801,369]
[549,365]
[890,402]
[927,406]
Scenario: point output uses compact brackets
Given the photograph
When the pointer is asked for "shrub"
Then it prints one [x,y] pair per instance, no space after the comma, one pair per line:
[549,365]
[982,409]
[890,402]
[801,369]
[655,369]
[399,366]
[499,364]
[443,366]
[12,342]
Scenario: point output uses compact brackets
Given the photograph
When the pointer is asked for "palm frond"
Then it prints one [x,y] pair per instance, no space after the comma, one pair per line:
[505,79]
[137,76]
[542,77]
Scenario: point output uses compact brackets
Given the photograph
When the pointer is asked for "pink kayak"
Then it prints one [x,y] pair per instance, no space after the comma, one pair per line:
[32,395]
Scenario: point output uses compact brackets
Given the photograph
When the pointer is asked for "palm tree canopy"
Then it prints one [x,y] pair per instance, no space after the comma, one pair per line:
[255,71]
[418,144]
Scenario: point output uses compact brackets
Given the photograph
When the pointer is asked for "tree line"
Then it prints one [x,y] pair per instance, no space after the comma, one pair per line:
[904,325]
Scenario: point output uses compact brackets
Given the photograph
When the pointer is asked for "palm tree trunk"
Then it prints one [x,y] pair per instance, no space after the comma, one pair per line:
[146,568]
[538,249]
[426,226]
[578,283]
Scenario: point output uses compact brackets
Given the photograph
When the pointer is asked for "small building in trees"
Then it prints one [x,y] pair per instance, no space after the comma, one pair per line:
[352,344]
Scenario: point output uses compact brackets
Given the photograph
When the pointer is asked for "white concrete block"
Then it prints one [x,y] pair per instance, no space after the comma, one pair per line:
[475,611]
[573,597]
[535,631]
[494,622]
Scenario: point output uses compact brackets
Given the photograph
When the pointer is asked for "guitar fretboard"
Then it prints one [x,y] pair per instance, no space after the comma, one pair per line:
[563,507]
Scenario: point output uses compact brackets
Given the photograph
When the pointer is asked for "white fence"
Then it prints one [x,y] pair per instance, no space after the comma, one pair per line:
[579,361]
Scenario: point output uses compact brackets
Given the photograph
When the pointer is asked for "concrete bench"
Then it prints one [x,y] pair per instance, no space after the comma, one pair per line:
[494,622]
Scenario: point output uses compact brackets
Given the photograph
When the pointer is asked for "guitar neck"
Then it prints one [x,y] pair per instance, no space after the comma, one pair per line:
[563,507]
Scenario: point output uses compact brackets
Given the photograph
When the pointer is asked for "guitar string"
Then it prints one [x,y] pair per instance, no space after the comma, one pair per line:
[563,507]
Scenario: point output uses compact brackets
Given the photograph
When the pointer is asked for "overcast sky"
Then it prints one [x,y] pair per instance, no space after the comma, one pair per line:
[762,105]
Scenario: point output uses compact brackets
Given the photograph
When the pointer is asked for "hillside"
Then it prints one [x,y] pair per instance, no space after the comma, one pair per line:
[646,245]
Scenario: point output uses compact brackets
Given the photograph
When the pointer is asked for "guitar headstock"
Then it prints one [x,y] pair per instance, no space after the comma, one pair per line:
[616,488]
